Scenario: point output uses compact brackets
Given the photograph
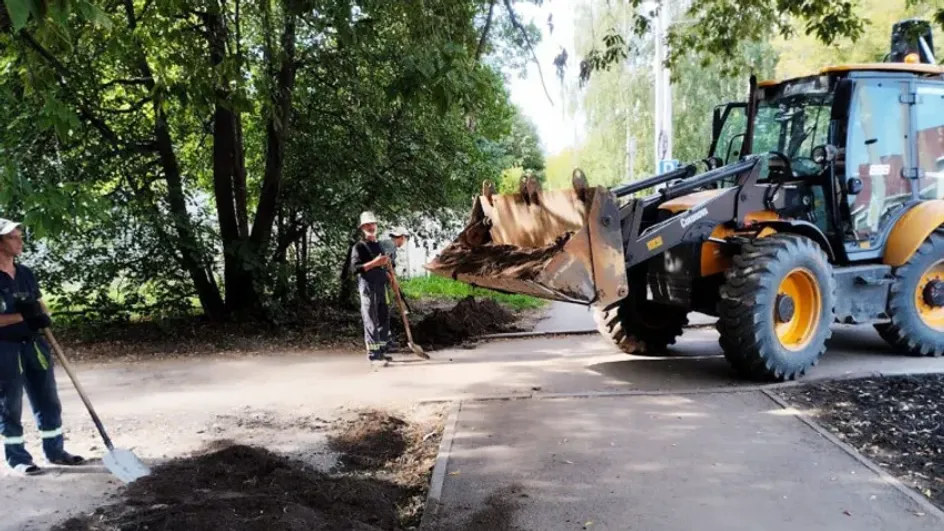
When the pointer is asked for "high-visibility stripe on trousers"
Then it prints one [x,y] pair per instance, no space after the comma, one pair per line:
[27,366]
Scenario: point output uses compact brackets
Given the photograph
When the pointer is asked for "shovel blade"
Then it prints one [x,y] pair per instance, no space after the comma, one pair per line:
[419,351]
[124,465]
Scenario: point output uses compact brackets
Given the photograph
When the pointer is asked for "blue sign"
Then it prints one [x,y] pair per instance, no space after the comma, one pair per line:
[667,165]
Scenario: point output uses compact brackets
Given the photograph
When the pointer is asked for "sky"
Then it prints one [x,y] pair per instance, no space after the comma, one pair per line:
[556,129]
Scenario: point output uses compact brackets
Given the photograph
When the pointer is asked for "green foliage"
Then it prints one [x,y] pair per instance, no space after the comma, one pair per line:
[714,28]
[617,103]
[522,154]
[165,149]
[801,54]
[433,287]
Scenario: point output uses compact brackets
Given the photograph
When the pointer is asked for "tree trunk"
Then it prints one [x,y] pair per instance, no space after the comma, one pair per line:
[187,242]
[276,130]
[301,268]
[199,270]
[229,183]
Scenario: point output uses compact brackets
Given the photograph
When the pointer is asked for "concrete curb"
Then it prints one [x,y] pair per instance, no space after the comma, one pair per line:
[538,395]
[887,478]
[747,388]
[438,477]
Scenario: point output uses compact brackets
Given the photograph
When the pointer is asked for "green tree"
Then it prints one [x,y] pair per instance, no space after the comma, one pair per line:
[715,29]
[523,154]
[201,136]
[617,103]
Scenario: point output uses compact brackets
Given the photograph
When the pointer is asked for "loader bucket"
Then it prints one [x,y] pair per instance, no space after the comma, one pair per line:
[563,245]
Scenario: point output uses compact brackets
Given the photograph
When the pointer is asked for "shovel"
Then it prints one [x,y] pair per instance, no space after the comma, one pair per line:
[122,463]
[406,323]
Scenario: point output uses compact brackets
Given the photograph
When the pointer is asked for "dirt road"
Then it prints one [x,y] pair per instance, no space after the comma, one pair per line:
[170,408]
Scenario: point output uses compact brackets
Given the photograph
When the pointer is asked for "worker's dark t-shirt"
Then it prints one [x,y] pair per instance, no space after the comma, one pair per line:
[363,252]
[23,285]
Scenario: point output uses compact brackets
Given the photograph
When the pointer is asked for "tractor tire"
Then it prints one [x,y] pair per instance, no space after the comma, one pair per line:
[917,323]
[641,327]
[777,304]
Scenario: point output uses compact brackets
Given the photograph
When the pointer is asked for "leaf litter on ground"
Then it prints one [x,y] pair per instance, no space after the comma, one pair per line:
[897,421]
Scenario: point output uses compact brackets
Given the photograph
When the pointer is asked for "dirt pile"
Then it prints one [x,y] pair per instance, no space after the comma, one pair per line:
[370,441]
[499,260]
[469,318]
[237,487]
[245,488]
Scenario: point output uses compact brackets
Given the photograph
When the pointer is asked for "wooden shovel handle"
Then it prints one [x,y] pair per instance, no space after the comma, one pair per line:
[400,305]
[57,350]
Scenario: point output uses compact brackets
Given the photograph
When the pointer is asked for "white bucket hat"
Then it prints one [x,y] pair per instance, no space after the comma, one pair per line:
[399,231]
[367,217]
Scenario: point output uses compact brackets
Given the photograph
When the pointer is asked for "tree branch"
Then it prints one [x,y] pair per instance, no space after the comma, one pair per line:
[129,14]
[63,75]
[288,237]
[484,38]
[126,82]
[136,106]
[527,40]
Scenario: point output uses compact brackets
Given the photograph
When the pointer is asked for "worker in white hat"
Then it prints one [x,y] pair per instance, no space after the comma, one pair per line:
[369,263]
[398,238]
[25,362]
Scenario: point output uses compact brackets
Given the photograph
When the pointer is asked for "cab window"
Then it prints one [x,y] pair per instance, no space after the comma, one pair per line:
[877,153]
[929,126]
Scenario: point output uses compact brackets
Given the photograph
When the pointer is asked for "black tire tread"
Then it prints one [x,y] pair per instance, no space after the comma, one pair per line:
[634,337]
[741,308]
[904,332]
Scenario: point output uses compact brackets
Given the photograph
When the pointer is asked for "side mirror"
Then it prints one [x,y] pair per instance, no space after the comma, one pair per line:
[853,185]
[824,154]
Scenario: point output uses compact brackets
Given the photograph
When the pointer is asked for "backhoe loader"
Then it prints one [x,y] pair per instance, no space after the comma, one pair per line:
[821,202]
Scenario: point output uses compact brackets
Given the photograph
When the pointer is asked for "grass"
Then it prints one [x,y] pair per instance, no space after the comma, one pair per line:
[444,288]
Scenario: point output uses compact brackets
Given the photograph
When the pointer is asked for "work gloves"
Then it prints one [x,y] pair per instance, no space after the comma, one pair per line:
[33,314]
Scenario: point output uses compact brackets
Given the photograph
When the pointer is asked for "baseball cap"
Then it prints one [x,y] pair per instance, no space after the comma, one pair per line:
[7,226]
[399,231]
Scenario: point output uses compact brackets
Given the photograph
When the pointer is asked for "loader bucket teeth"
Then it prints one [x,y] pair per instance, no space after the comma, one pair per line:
[561,245]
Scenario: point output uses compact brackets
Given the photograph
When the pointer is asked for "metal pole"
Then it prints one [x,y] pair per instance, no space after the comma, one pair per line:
[663,92]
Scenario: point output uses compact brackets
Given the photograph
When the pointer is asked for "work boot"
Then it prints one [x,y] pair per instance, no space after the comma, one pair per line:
[378,360]
[27,469]
[66,459]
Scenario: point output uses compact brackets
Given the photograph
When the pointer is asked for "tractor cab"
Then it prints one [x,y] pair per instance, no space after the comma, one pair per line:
[861,142]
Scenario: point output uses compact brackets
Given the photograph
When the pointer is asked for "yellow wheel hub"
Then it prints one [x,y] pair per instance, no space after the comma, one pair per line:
[798,309]
[932,315]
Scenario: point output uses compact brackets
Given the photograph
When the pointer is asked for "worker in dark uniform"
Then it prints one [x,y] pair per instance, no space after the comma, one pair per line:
[370,264]
[25,362]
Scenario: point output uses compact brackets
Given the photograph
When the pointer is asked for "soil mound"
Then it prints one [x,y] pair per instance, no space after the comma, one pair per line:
[499,260]
[234,487]
[370,441]
[246,488]
[469,318]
